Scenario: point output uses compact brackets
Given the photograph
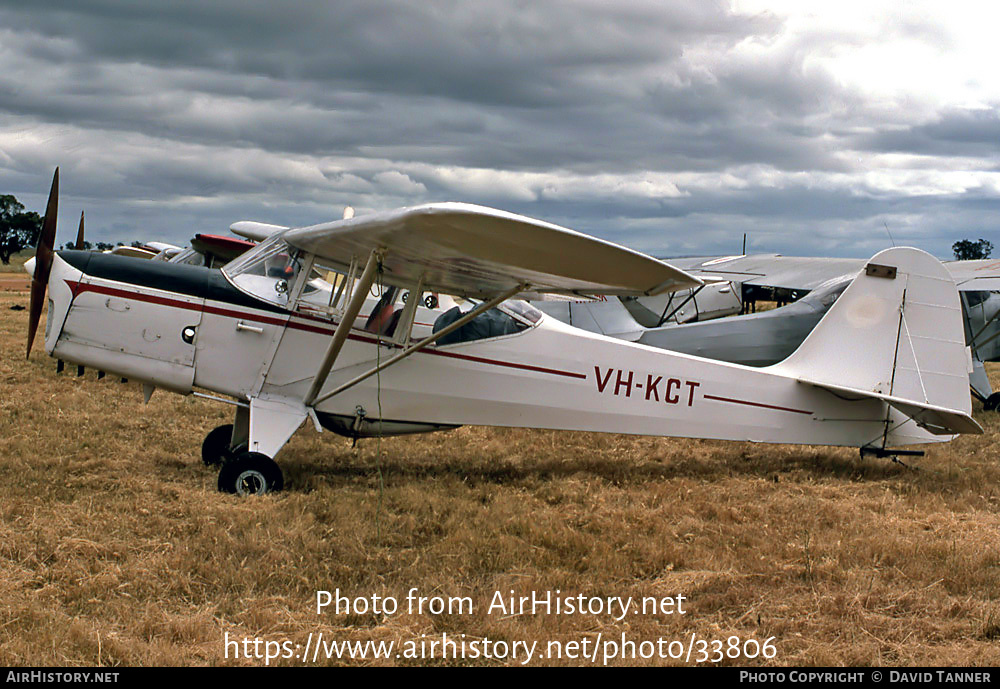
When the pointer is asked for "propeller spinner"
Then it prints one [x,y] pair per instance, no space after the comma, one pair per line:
[43,260]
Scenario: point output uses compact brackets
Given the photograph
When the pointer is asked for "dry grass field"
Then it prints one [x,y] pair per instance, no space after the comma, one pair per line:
[116,549]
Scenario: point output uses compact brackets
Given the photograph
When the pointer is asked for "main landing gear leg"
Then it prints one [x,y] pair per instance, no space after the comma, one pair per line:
[258,434]
[242,472]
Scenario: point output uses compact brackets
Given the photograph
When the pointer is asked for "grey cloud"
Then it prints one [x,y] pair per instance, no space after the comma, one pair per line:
[171,118]
[481,87]
[973,132]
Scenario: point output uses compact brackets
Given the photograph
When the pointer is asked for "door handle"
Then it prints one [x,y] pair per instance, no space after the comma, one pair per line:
[240,325]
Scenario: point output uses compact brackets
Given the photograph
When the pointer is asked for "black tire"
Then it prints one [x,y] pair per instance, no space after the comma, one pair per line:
[250,473]
[992,402]
[215,449]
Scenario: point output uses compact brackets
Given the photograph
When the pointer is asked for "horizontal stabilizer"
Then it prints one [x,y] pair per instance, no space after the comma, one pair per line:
[937,420]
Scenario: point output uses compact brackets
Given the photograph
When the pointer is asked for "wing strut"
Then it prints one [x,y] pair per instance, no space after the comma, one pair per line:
[976,345]
[345,325]
[418,346]
[664,317]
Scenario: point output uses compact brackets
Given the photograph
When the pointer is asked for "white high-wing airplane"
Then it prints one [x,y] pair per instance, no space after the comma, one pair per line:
[887,366]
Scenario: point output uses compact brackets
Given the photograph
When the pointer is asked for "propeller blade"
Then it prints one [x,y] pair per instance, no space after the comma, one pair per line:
[43,261]
[79,234]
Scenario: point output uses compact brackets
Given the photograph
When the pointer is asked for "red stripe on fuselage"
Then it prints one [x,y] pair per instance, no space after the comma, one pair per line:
[80,287]
[755,404]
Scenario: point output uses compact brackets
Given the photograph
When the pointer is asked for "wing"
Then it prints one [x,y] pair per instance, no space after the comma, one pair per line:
[225,248]
[983,275]
[133,251]
[474,251]
[772,270]
[808,273]
[255,231]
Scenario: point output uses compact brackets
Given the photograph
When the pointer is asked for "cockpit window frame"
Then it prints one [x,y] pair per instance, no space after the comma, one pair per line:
[241,272]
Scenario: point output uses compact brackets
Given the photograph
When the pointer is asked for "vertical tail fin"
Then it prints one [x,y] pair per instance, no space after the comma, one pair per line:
[896,334]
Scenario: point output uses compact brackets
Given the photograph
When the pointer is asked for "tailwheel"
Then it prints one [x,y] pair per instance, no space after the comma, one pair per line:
[216,448]
[250,473]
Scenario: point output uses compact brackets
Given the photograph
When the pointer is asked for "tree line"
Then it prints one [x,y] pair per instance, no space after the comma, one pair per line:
[968,250]
[19,229]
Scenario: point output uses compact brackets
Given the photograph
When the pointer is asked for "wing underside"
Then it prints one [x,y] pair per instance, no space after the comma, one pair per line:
[474,251]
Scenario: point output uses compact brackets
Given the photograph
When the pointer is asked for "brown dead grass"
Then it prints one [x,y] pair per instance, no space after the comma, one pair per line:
[115,548]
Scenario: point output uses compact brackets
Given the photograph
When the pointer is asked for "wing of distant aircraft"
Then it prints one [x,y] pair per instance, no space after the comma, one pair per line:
[255,231]
[133,251]
[217,250]
[978,283]
[982,275]
[771,270]
[805,273]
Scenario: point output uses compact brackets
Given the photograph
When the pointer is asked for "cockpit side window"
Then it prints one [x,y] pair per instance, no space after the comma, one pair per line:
[508,318]
[833,294]
[974,298]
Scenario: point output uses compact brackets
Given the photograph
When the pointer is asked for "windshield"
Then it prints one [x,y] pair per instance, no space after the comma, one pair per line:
[188,257]
[267,271]
[828,292]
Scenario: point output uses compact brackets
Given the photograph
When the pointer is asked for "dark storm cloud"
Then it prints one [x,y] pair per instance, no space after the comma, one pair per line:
[507,53]
[449,77]
[972,132]
[628,120]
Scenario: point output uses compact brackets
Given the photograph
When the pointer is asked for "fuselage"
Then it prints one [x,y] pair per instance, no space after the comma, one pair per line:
[183,327]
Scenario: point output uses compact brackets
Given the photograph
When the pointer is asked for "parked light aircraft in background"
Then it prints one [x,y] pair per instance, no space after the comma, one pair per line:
[757,339]
[887,365]
[978,283]
[209,250]
[767,337]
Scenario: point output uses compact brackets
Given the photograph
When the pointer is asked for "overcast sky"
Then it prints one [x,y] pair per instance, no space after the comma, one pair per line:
[671,127]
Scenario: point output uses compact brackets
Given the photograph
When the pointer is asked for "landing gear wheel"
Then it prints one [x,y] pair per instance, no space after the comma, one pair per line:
[992,402]
[250,473]
[215,450]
